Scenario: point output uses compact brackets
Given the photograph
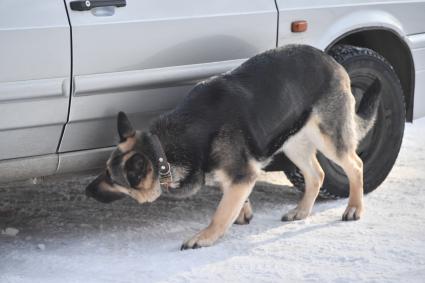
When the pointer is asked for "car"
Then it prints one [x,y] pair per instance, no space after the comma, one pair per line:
[68,67]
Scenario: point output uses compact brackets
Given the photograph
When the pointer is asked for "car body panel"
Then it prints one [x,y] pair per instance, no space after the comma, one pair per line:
[35,69]
[150,92]
[144,57]
[328,20]
[417,44]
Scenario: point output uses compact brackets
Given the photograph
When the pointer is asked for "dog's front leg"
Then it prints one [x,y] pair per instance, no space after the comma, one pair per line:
[246,214]
[234,197]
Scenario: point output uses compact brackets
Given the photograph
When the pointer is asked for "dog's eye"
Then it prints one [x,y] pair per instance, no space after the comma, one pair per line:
[136,168]
[133,178]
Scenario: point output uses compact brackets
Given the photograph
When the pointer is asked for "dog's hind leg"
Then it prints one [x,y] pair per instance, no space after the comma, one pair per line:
[302,153]
[235,193]
[353,167]
[246,214]
[346,157]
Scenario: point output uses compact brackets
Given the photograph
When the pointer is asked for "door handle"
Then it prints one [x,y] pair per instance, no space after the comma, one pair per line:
[85,5]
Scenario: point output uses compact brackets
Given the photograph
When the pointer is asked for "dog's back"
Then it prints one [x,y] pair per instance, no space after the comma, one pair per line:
[268,98]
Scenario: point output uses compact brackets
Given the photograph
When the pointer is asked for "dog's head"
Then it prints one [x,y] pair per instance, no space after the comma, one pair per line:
[129,169]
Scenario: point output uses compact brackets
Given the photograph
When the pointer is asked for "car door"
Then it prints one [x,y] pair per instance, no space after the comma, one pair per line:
[35,69]
[142,58]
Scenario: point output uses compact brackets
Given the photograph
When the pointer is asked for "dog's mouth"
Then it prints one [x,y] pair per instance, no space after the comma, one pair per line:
[149,195]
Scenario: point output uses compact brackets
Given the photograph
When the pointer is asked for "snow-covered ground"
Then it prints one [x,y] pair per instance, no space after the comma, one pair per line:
[52,233]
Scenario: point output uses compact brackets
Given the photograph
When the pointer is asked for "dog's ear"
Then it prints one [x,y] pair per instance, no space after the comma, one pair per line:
[125,129]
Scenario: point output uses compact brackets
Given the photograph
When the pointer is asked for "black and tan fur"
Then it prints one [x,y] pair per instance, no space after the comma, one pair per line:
[294,100]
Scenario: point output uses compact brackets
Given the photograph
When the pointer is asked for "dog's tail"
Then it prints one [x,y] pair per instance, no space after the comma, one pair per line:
[368,109]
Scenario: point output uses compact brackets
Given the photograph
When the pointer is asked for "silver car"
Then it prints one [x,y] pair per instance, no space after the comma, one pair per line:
[67,68]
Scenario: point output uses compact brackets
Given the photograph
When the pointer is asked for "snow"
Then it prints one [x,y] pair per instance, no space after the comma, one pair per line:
[41,246]
[10,231]
[65,237]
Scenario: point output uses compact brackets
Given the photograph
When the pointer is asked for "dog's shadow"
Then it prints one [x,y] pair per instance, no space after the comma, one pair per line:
[60,208]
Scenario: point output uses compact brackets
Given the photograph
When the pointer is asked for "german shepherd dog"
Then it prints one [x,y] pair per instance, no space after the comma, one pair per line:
[293,100]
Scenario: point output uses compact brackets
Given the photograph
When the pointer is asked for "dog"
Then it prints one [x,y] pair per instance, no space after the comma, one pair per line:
[293,100]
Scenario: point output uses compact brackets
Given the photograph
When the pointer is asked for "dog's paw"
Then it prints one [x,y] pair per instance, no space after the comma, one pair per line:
[295,214]
[205,238]
[352,212]
[245,215]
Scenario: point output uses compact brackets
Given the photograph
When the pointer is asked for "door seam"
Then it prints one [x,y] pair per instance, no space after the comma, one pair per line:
[71,84]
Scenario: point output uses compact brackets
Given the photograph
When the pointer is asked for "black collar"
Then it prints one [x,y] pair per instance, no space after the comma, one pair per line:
[164,168]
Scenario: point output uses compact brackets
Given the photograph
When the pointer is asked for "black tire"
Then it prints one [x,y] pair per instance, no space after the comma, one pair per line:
[380,147]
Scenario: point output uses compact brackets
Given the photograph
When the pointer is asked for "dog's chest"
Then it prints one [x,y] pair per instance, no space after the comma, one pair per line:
[178,173]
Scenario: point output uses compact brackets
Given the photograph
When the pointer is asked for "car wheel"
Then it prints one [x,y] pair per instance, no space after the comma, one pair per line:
[380,147]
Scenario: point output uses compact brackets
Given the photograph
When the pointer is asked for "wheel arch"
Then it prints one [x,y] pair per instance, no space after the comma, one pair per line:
[379,39]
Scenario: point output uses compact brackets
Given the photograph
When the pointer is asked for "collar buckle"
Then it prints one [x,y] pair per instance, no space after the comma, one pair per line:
[164,168]
[165,177]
